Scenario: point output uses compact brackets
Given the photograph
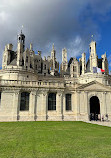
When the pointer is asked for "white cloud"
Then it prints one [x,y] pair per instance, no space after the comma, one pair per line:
[67,23]
[76,47]
[4,17]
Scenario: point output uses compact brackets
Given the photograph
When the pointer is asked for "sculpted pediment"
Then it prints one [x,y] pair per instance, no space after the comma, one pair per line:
[94,86]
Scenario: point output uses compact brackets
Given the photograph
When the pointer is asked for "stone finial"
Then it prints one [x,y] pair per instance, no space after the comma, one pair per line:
[44,58]
[104,55]
[92,37]
[31,46]
[39,53]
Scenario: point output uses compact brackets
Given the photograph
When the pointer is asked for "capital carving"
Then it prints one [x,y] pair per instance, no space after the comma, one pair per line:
[16,93]
[59,93]
[33,92]
[44,93]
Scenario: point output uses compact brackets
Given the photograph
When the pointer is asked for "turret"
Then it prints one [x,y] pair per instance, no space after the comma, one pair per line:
[83,63]
[105,63]
[7,55]
[93,55]
[93,48]
[54,65]
[53,52]
[64,64]
[75,68]
[21,40]
[31,47]
[64,55]
[20,48]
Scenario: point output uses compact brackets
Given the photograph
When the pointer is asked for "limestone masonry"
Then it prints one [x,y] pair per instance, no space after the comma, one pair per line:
[33,89]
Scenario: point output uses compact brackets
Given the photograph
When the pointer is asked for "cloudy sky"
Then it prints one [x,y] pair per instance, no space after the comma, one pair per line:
[66,23]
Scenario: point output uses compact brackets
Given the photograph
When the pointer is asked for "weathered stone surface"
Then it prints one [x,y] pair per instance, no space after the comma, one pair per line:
[27,72]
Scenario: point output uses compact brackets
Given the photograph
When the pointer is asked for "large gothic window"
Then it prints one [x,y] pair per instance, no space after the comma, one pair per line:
[74,68]
[24,103]
[68,102]
[52,101]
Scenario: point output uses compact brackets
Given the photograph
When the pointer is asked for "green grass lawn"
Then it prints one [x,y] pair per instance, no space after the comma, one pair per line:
[54,140]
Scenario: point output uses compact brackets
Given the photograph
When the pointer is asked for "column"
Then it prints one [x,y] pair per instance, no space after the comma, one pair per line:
[106,103]
[38,104]
[32,105]
[105,110]
[59,106]
[78,104]
[73,102]
[16,106]
[86,105]
[9,104]
[103,106]
[44,107]
[41,105]
[63,106]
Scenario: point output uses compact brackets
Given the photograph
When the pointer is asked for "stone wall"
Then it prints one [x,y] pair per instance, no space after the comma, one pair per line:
[38,103]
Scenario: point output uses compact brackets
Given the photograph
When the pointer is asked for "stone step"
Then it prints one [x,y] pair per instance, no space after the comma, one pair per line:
[103,123]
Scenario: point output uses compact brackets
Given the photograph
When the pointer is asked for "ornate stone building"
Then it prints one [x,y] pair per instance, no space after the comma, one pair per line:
[33,89]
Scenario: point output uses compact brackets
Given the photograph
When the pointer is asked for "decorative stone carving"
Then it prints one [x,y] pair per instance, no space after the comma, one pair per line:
[36,77]
[44,93]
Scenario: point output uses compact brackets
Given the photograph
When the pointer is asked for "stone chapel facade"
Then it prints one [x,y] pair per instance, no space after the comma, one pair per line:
[33,89]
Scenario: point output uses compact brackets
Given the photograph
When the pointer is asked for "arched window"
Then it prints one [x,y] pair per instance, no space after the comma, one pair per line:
[74,68]
[52,101]
[27,59]
[24,103]
[68,102]
[44,67]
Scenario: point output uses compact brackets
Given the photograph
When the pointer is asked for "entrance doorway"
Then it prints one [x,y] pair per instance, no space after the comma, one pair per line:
[94,108]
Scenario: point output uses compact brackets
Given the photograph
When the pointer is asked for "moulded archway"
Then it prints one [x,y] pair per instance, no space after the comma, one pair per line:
[94,108]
